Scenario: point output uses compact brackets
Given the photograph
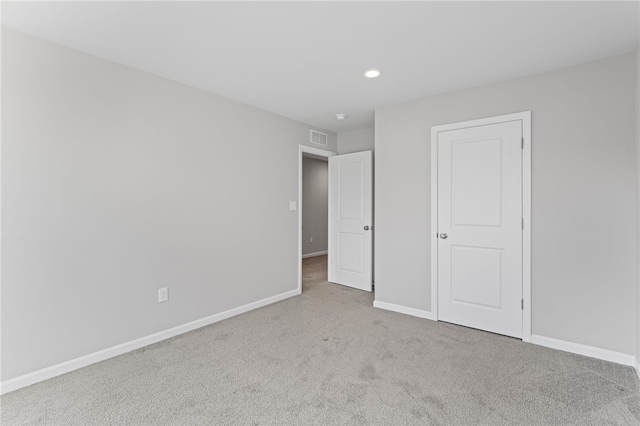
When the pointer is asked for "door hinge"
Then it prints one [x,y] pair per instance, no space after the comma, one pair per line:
[523,223]
[522,143]
[522,304]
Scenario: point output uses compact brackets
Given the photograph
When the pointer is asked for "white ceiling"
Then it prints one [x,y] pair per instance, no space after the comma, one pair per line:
[305,60]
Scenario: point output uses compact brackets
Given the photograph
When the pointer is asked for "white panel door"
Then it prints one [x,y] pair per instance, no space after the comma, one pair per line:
[480,227]
[350,220]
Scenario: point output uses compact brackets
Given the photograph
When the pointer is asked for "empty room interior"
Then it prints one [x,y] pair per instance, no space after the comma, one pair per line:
[320,213]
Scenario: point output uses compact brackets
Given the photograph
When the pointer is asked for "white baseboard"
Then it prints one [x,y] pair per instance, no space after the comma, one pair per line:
[319,253]
[576,348]
[590,351]
[405,310]
[83,361]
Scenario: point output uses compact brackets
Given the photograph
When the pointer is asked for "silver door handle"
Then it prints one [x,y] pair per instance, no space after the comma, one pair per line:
[366,228]
[443,235]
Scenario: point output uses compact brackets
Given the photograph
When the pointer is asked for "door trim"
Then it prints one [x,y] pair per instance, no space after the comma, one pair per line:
[525,118]
[322,153]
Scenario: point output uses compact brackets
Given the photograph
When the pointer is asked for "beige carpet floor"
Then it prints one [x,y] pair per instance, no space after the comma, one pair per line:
[328,357]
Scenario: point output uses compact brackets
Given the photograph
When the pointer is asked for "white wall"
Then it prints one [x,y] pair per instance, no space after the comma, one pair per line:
[638,171]
[315,205]
[584,197]
[115,183]
[356,141]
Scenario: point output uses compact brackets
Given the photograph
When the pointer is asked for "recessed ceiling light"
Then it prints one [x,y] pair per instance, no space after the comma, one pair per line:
[341,116]
[372,73]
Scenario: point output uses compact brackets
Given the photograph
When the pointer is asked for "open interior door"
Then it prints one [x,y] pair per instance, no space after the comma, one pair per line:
[350,220]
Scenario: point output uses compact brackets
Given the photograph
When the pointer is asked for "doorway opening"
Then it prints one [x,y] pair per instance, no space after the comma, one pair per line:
[314,207]
[313,212]
[350,216]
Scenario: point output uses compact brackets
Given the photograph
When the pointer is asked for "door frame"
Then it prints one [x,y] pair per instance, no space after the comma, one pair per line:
[322,153]
[525,118]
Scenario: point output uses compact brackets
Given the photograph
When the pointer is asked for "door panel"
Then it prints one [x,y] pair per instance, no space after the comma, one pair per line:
[476,182]
[351,250]
[480,211]
[350,210]
[350,187]
[476,277]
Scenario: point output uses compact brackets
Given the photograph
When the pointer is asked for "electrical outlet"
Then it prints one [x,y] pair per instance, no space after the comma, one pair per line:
[293,205]
[163,294]
[311,240]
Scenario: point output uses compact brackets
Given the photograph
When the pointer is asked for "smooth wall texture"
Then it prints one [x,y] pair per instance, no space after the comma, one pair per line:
[356,141]
[583,197]
[638,230]
[116,183]
[315,205]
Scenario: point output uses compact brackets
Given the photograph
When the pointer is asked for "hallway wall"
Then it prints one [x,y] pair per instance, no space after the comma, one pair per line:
[315,205]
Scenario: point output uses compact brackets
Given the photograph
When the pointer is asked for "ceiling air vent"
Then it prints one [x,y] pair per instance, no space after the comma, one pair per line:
[319,138]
